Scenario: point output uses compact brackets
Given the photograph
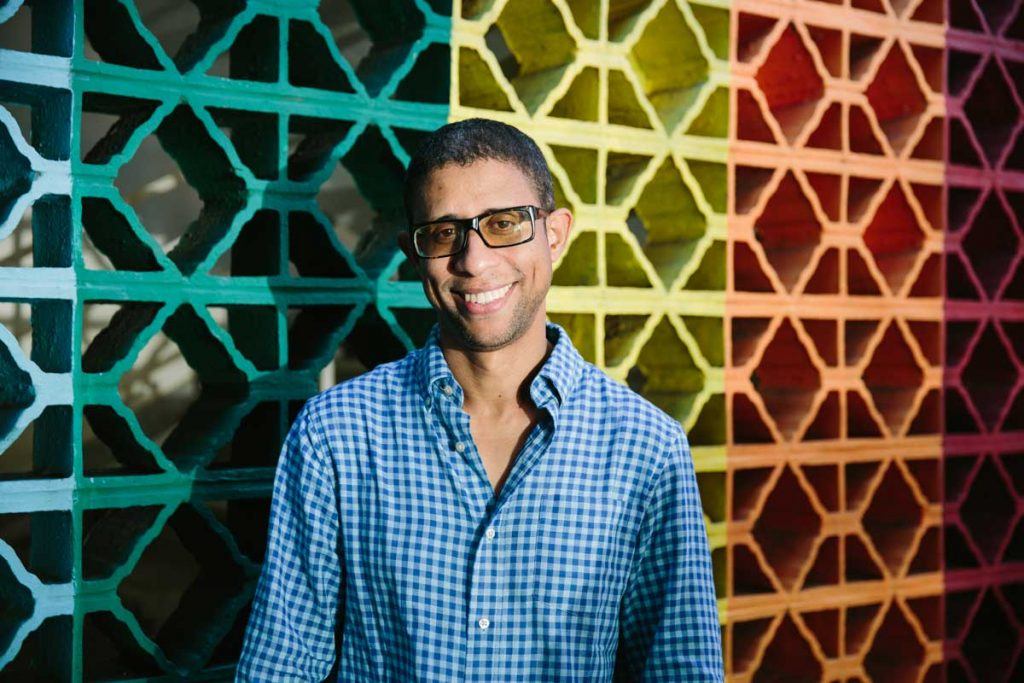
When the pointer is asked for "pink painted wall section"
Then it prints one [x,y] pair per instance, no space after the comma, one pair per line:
[984,342]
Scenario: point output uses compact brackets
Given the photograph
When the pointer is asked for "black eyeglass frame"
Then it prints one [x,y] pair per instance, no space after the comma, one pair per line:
[467,224]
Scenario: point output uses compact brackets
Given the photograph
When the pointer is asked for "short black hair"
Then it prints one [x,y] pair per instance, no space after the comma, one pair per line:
[471,140]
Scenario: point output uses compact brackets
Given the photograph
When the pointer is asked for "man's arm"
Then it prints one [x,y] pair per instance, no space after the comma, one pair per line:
[668,629]
[291,631]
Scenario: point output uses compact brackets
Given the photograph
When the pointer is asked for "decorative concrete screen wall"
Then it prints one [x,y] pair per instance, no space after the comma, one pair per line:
[983,504]
[798,232]
[133,528]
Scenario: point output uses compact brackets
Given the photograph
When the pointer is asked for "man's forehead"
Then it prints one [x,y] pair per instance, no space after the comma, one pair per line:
[485,183]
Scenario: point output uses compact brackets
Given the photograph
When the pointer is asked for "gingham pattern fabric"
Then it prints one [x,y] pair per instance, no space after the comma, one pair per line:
[590,565]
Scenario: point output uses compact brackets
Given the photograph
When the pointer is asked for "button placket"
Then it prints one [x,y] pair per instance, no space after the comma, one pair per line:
[486,600]
[481,601]
[462,434]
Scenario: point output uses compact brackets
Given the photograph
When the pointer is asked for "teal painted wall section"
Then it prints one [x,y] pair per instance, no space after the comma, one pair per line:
[131,530]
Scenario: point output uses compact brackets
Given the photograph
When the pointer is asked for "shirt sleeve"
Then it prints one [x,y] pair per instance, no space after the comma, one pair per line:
[291,631]
[668,622]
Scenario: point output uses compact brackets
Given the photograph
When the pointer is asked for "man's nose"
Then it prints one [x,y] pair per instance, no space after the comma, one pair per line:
[476,257]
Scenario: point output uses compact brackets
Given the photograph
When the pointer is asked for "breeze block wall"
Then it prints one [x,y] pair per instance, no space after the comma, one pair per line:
[835,325]
[132,518]
[829,516]
[798,231]
[984,342]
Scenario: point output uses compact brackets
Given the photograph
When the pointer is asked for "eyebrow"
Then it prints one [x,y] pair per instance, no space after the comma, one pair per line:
[453,217]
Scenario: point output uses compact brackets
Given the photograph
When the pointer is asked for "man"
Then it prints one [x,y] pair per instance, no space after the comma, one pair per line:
[491,507]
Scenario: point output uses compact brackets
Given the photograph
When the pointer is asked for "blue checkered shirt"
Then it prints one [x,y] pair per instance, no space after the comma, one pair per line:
[391,558]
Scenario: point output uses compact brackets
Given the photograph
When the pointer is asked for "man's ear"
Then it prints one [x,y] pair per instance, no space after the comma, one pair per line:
[405,244]
[558,226]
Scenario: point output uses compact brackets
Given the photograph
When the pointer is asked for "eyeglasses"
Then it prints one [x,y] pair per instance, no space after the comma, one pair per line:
[497,229]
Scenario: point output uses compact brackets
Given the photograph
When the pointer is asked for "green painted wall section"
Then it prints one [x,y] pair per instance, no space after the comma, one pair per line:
[119,500]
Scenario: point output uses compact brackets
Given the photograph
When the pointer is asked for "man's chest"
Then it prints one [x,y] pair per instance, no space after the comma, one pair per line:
[498,442]
[560,537]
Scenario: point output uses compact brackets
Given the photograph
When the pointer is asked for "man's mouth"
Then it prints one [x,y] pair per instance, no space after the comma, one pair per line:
[487,297]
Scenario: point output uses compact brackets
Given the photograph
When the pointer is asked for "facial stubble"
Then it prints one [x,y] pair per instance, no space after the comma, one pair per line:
[523,314]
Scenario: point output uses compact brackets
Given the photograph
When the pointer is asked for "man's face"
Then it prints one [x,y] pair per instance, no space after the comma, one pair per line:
[461,287]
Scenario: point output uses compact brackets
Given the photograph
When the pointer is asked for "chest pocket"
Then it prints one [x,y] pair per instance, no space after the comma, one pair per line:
[583,553]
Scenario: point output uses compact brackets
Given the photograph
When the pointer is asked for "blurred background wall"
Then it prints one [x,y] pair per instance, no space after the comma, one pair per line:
[798,232]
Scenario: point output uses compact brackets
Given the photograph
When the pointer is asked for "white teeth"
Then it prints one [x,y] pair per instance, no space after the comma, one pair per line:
[487,297]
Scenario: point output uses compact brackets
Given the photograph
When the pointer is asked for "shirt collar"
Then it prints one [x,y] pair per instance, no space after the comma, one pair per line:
[558,376]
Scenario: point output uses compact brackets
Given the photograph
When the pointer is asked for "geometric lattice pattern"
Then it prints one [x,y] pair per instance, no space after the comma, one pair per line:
[834,312]
[178,269]
[798,231]
[984,347]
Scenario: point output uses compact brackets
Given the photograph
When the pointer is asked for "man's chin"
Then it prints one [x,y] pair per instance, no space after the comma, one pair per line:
[484,334]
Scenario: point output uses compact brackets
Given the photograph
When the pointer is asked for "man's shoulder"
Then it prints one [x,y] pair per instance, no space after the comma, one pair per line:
[624,408]
[637,438]
[368,392]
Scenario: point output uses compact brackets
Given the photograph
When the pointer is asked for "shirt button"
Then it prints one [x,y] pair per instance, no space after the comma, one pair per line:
[459,446]
[489,533]
[447,389]
[483,624]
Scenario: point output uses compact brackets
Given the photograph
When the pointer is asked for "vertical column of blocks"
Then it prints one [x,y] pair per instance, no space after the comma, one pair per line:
[629,102]
[833,322]
[176,273]
[37,293]
[984,350]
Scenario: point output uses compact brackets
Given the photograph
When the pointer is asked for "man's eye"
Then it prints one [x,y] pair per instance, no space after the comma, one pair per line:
[444,234]
[503,225]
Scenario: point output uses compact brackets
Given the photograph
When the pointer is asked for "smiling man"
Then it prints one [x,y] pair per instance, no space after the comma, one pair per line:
[491,507]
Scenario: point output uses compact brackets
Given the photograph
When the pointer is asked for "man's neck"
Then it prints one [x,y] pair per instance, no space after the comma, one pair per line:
[496,383]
